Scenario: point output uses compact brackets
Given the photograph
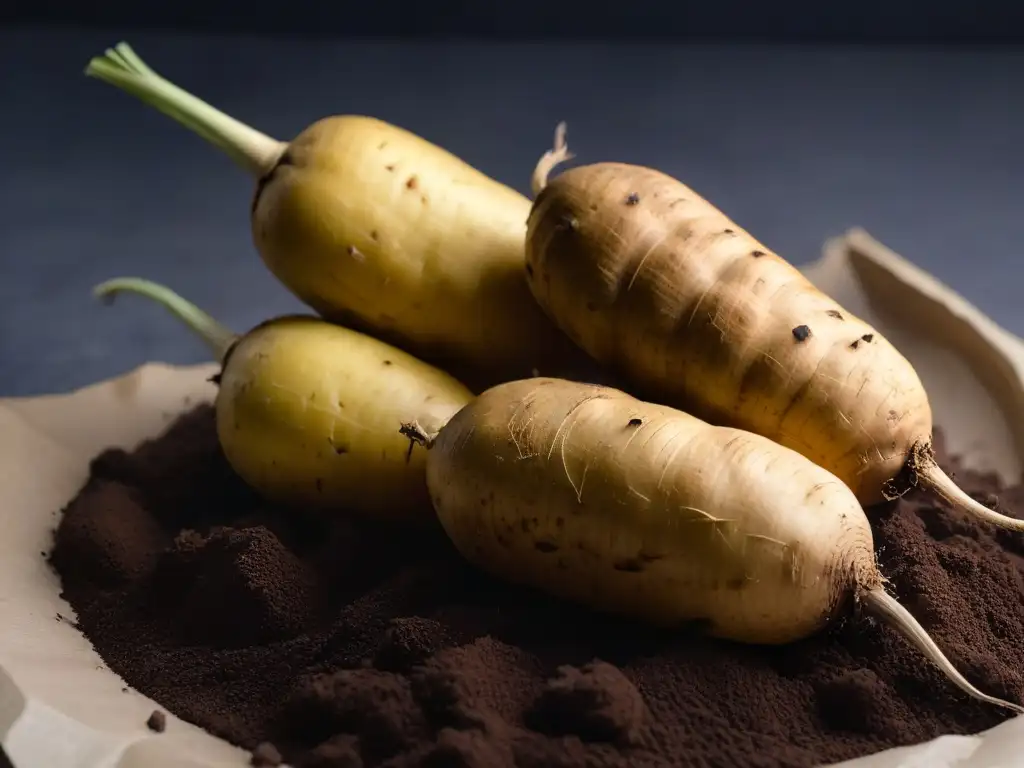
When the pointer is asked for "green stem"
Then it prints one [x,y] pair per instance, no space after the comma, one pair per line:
[121,67]
[218,337]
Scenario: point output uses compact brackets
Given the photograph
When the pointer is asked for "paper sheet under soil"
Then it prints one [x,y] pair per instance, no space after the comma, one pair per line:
[61,708]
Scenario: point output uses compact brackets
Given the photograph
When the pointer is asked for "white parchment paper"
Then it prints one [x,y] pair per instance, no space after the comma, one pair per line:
[61,708]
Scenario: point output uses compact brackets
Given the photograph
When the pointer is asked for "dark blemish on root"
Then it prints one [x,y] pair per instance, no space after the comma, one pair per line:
[390,167]
[338,448]
[629,565]
[215,379]
[545,546]
[382,145]
[529,270]
[319,485]
[593,207]
[728,231]
[632,198]
[412,182]
[834,313]
[374,235]
[867,337]
[676,202]
[801,333]
[388,362]
[855,343]
[567,223]
[634,422]
[758,254]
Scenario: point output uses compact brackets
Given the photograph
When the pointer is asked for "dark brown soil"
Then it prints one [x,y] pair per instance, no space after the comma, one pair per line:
[345,645]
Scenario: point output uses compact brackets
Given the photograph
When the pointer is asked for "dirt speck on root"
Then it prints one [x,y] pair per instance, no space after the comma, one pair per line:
[157,721]
[345,644]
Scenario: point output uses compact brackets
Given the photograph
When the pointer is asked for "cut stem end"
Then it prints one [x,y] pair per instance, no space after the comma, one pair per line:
[216,336]
[121,67]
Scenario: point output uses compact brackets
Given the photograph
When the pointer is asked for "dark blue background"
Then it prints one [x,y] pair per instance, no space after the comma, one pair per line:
[920,146]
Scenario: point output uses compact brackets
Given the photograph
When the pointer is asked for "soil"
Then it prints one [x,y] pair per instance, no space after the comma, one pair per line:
[331,643]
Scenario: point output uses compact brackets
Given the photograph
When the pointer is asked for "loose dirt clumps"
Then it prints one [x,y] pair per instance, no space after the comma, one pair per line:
[327,643]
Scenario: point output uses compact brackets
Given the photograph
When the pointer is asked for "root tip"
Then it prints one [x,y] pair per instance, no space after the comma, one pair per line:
[417,434]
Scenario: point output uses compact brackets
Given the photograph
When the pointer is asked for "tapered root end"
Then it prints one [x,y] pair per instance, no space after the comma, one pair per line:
[557,155]
[417,434]
[886,609]
[929,474]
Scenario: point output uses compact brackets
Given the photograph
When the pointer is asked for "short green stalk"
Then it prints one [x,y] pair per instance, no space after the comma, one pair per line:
[217,337]
[121,67]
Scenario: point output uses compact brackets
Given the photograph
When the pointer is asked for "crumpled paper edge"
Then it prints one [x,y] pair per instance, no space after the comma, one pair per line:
[67,427]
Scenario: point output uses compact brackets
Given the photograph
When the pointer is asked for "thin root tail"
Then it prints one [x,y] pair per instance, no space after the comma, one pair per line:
[929,475]
[557,155]
[886,609]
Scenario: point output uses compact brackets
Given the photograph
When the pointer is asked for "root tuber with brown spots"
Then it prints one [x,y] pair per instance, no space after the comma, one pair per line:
[657,284]
[308,411]
[645,511]
[377,228]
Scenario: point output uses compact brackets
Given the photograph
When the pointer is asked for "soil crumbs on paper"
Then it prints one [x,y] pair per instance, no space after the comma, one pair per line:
[339,644]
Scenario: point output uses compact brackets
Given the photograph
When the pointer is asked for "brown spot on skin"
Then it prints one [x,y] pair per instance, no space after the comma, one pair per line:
[629,565]
[893,416]
[374,235]
[867,337]
[338,449]
[593,206]
[855,343]
[834,313]
[757,254]
[382,145]
[390,167]
[801,333]
[567,223]
[341,404]
[529,270]
[545,546]
[412,182]
[634,422]
[388,362]
[728,231]
[632,198]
